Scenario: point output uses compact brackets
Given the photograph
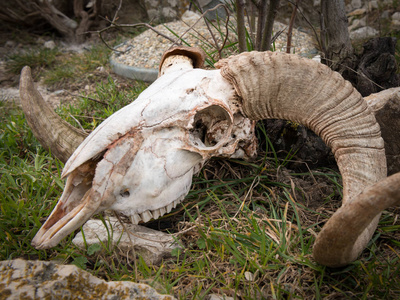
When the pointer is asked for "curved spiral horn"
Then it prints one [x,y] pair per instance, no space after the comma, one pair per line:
[50,129]
[281,86]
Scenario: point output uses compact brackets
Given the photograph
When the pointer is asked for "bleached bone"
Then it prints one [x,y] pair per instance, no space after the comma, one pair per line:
[141,159]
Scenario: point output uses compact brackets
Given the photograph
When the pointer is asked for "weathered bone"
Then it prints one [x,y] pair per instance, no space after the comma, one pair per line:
[199,115]
[143,167]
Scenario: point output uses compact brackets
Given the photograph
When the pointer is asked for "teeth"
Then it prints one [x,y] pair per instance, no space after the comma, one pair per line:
[156,214]
[169,207]
[146,216]
[135,219]
[176,202]
[162,211]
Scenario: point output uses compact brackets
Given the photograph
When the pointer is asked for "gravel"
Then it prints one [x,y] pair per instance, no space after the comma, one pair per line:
[145,50]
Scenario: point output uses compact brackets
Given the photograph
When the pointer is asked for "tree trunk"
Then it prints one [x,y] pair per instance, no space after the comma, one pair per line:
[339,53]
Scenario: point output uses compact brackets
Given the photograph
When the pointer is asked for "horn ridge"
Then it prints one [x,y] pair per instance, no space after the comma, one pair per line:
[285,86]
[53,133]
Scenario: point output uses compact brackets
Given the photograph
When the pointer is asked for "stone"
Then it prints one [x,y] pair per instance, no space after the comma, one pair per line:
[49,44]
[356,3]
[372,5]
[396,16]
[357,23]
[10,44]
[25,279]
[219,297]
[363,33]
[395,24]
[128,240]
[357,12]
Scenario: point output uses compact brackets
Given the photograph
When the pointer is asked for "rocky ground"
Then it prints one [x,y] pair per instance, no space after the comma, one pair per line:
[366,19]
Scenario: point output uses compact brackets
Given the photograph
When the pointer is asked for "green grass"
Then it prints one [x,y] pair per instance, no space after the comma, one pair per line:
[248,234]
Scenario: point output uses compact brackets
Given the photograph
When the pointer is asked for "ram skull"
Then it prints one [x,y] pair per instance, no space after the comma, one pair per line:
[140,161]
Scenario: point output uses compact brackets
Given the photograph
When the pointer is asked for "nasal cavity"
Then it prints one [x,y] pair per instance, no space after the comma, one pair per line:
[125,193]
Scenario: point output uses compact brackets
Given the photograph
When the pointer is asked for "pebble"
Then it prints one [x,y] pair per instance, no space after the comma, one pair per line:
[145,50]
[363,33]
[396,16]
[49,44]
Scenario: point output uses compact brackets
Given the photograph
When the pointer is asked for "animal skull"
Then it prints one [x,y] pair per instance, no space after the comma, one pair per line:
[140,161]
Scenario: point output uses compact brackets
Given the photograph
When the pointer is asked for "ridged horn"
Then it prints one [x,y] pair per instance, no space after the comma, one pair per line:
[53,133]
[282,86]
[357,215]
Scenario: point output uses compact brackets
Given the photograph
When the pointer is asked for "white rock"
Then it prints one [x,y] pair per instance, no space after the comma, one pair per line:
[49,44]
[25,279]
[372,5]
[151,244]
[249,276]
[357,23]
[10,44]
[363,33]
[396,16]
[356,3]
[219,297]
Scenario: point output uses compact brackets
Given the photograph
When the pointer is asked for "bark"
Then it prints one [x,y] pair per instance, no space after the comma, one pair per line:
[240,4]
[267,32]
[339,53]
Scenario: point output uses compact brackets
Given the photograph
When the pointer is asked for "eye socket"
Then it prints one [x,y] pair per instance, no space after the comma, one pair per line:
[211,126]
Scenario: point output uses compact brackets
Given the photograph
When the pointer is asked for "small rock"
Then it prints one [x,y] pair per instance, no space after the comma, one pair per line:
[356,3]
[128,239]
[10,44]
[396,16]
[25,279]
[357,23]
[101,69]
[249,276]
[357,12]
[373,5]
[395,24]
[219,297]
[49,44]
[363,33]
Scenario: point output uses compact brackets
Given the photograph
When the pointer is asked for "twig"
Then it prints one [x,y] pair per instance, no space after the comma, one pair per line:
[354,71]
[289,34]
[89,98]
[219,49]
[80,125]
[311,25]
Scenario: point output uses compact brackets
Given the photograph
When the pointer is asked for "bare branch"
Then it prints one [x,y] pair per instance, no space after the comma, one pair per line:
[292,18]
